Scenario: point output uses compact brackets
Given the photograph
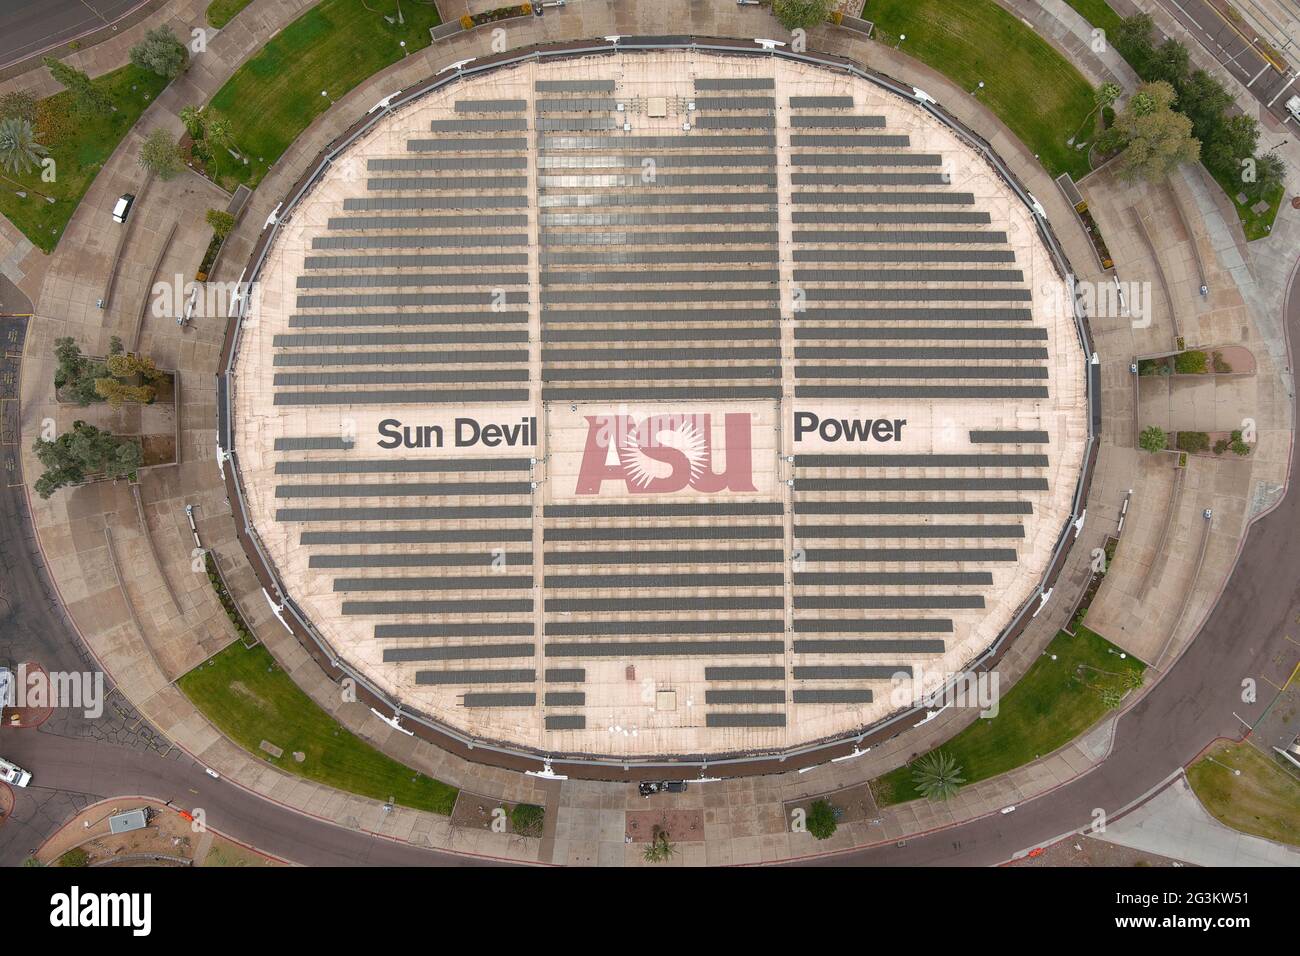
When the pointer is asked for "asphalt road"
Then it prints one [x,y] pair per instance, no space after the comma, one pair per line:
[28,27]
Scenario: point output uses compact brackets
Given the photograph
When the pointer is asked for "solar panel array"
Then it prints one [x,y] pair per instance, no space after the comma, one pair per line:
[655,265]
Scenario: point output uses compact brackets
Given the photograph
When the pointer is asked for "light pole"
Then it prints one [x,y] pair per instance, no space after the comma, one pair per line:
[326,94]
[901,38]
[979,86]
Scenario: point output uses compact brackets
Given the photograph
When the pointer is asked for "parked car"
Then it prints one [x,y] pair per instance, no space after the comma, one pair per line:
[648,788]
[8,688]
[123,208]
[1293,107]
[14,774]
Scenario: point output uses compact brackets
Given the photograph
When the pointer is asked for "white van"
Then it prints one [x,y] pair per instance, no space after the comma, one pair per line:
[123,208]
[12,773]
[1293,107]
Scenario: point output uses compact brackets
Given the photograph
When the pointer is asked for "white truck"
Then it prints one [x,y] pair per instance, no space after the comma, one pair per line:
[14,774]
[1293,107]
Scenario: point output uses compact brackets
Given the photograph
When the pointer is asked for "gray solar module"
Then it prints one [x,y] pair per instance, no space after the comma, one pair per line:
[917,294]
[576,104]
[401,377]
[662,161]
[705,239]
[661,648]
[927,507]
[663,355]
[953,353]
[919,236]
[735,83]
[478,605]
[883,646]
[914,197]
[852,672]
[735,103]
[857,217]
[910,531]
[699,141]
[468,144]
[456,652]
[553,317]
[652,257]
[920,461]
[511,125]
[364,319]
[872,626]
[565,675]
[913,313]
[372,203]
[446,164]
[909,275]
[821,102]
[494,700]
[577,124]
[744,720]
[322,340]
[625,276]
[616,628]
[502,676]
[418,536]
[447,559]
[384,466]
[564,698]
[944,555]
[653,373]
[630,180]
[642,556]
[407,397]
[310,444]
[837,121]
[487,582]
[1025,437]
[420,241]
[491,106]
[735,122]
[458,629]
[447,182]
[565,722]
[755,696]
[404,490]
[726,217]
[918,391]
[574,86]
[675,533]
[744,673]
[403,279]
[494,221]
[463,512]
[752,580]
[892,578]
[841,141]
[459,259]
[841,696]
[927,332]
[615,604]
[904,255]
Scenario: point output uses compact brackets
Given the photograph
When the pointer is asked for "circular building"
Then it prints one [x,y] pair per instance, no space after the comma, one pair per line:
[659,402]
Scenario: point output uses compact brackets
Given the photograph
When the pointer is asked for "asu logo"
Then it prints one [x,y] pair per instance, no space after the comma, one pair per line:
[666,453]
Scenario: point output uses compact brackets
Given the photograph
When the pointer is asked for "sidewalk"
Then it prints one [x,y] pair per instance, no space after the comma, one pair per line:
[745,820]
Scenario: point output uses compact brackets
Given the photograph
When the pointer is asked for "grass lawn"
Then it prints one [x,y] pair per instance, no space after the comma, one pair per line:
[246,694]
[1031,87]
[79,152]
[1098,13]
[1264,800]
[221,12]
[1054,702]
[332,47]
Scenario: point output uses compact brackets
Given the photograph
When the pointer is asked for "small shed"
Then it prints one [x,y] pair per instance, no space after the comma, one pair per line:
[128,821]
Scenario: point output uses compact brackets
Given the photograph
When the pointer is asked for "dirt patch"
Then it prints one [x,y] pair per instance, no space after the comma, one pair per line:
[682,826]
[474,811]
[239,687]
[1087,851]
[158,449]
[854,804]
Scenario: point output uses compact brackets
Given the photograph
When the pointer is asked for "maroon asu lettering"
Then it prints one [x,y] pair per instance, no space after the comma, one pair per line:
[665,453]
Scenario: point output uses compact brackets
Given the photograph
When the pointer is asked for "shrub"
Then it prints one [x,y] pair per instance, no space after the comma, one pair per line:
[85,94]
[1220,364]
[801,14]
[78,454]
[1221,446]
[220,221]
[528,819]
[821,820]
[161,53]
[76,857]
[659,850]
[1193,441]
[18,104]
[1153,439]
[1238,445]
[1191,362]
[161,155]
[937,776]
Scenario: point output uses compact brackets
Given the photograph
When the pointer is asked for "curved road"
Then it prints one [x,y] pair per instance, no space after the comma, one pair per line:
[1194,703]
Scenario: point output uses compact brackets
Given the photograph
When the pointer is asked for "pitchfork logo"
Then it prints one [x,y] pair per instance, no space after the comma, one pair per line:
[665,453]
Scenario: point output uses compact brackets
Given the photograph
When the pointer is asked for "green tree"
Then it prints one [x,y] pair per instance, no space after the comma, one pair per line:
[161,53]
[659,849]
[1169,64]
[1153,439]
[161,155]
[1133,40]
[75,374]
[937,776]
[219,132]
[117,392]
[83,451]
[1153,137]
[85,93]
[221,222]
[802,14]
[19,150]
[1238,444]
[821,820]
[18,104]
[193,118]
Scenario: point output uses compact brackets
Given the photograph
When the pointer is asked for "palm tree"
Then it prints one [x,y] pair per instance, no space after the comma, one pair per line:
[19,150]
[937,776]
[659,850]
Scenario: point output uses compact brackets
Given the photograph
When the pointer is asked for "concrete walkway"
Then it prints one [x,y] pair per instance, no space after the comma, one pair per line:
[1174,824]
[745,820]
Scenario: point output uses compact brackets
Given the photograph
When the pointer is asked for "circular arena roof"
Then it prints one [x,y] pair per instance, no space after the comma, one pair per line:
[659,403]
